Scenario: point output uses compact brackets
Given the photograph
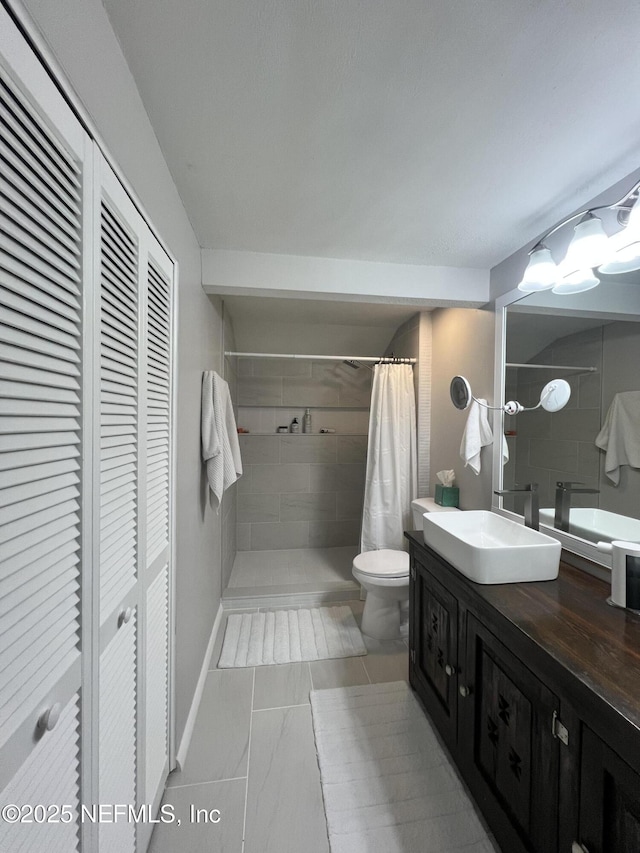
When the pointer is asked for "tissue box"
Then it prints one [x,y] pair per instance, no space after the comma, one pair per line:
[447,495]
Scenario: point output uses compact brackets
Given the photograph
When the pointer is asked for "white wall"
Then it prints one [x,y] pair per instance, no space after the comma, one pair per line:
[85,45]
[263,274]
[463,343]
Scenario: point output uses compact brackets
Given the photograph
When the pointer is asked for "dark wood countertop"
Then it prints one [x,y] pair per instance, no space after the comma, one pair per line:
[570,621]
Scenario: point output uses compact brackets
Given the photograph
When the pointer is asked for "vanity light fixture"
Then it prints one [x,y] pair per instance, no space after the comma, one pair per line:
[590,248]
[555,396]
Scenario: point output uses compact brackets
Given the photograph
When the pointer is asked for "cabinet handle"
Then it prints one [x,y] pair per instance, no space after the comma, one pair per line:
[576,847]
[48,719]
[464,691]
[450,670]
[124,616]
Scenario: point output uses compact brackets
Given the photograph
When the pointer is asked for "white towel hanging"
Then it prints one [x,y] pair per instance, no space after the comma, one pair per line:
[620,435]
[477,434]
[220,445]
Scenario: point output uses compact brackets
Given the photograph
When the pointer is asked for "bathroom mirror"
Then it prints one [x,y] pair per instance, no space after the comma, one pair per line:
[591,340]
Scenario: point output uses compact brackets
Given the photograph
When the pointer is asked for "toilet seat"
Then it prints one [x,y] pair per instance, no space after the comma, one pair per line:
[386,563]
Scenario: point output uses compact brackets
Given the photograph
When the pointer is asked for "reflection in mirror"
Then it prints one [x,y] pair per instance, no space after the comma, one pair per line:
[591,340]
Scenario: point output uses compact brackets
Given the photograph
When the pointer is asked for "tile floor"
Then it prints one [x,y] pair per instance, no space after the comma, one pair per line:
[296,572]
[253,758]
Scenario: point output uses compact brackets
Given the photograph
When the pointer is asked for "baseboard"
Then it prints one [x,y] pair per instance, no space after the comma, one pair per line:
[183,749]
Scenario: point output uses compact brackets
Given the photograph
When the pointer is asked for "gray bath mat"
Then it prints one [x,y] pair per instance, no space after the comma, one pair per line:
[287,636]
[388,785]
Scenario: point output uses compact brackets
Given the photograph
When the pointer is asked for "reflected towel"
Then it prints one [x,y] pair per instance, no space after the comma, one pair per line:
[477,434]
[620,435]
[220,446]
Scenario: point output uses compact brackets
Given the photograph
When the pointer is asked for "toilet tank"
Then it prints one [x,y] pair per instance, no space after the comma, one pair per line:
[421,505]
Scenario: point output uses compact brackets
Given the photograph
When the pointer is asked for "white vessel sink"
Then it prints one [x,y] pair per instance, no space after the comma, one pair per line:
[597,524]
[488,548]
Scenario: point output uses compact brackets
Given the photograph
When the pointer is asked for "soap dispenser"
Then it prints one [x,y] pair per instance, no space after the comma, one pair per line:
[625,572]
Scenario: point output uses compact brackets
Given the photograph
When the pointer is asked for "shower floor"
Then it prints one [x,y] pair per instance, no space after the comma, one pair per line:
[317,574]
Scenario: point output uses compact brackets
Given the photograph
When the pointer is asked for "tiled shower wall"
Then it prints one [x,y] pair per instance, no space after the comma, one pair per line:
[301,491]
[556,446]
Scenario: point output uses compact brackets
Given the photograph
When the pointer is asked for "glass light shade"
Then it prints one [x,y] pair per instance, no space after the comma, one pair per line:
[624,256]
[589,246]
[630,234]
[576,282]
[541,272]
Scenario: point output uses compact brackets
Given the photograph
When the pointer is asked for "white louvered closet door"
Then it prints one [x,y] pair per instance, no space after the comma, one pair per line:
[158,313]
[44,412]
[133,372]
[118,365]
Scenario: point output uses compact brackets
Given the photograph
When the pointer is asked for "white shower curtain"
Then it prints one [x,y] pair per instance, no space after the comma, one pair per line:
[392,470]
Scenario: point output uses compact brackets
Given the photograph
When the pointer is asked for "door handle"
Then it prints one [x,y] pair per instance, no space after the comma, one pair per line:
[464,691]
[450,670]
[576,847]
[124,616]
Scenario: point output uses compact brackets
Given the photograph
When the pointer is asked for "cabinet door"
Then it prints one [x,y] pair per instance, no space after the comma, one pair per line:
[609,800]
[434,649]
[509,753]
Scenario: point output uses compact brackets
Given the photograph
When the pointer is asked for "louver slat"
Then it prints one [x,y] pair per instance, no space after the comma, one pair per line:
[40,443]
[119,410]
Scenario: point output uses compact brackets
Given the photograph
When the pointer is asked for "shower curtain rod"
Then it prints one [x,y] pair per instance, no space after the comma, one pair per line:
[382,359]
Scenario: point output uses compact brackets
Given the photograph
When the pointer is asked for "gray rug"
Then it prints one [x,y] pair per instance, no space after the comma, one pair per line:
[288,636]
[388,785]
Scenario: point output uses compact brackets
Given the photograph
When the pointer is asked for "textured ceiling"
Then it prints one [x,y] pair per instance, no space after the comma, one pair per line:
[443,132]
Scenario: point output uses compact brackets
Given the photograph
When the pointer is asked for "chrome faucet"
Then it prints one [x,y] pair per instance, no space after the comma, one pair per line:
[564,490]
[531,504]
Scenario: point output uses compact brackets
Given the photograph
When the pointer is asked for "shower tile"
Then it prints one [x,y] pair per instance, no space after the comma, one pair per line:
[243,537]
[576,424]
[259,449]
[308,507]
[245,482]
[308,448]
[245,367]
[291,534]
[554,455]
[328,534]
[352,448]
[304,391]
[286,477]
[589,390]
[265,391]
[263,507]
[281,367]
[349,505]
[336,478]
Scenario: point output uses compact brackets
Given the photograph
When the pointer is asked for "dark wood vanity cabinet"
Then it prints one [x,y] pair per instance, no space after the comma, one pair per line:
[609,800]
[505,734]
[434,643]
[500,698]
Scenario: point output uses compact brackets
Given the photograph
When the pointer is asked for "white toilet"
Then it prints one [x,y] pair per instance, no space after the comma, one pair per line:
[385,576]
